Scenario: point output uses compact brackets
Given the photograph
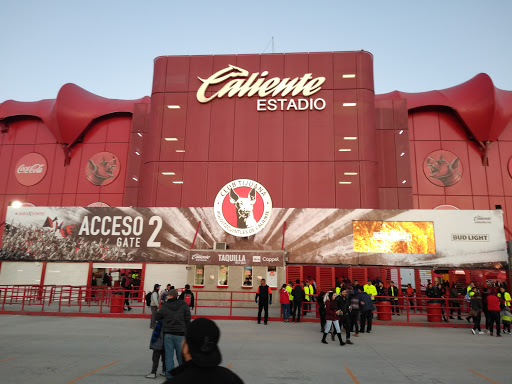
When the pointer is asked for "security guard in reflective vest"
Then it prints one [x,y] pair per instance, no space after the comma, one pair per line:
[370,289]
[265,295]
[307,291]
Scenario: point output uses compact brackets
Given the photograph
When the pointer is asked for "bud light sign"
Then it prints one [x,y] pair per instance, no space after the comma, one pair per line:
[31,169]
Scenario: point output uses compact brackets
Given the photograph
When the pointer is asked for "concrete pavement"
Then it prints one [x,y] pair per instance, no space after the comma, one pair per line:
[108,350]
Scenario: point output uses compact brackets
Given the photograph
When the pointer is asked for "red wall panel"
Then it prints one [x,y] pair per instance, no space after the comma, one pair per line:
[5,169]
[245,139]
[426,126]
[322,182]
[222,130]
[295,185]
[296,136]
[321,129]
[344,63]
[177,76]
[219,174]
[195,181]
[270,175]
[44,136]
[245,171]
[197,130]
[118,129]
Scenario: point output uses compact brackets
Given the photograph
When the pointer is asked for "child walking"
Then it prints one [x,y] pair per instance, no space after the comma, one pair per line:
[157,345]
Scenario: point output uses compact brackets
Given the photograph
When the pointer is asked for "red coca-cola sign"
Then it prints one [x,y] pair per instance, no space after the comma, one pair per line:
[31,169]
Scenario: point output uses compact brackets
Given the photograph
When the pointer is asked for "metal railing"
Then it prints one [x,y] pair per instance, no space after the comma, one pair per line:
[226,304]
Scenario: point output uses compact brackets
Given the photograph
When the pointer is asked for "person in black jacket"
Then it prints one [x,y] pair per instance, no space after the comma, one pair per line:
[321,309]
[265,295]
[476,311]
[393,292]
[382,291]
[343,304]
[298,296]
[127,285]
[175,316]
[202,357]
[187,296]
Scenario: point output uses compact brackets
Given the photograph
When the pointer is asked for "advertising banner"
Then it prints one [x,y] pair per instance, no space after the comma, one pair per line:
[408,238]
[215,257]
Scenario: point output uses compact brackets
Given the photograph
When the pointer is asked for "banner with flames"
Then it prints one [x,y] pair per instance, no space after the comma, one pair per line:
[409,238]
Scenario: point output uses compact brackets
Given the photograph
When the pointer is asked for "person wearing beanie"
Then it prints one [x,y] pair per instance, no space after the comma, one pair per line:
[202,357]
[155,302]
[175,316]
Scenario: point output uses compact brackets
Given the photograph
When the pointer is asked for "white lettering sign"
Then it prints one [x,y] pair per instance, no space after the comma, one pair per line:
[240,83]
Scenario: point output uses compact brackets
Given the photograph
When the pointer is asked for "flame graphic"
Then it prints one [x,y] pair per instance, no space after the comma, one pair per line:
[420,236]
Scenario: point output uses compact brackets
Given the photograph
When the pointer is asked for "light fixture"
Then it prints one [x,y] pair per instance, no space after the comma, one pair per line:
[173,106]
[402,154]
[16,204]
[168,173]
[349,104]
[404,181]
[180,150]
[171,139]
[134,178]
[401,131]
[344,150]
[177,182]
[137,153]
[344,182]
[350,173]
[350,138]
[349,75]
[140,134]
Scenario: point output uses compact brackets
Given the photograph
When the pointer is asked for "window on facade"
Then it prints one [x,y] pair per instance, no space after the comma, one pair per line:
[272,276]
[223,275]
[199,276]
[247,277]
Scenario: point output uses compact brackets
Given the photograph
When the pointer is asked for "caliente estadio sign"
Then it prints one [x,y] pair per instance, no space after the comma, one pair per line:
[238,82]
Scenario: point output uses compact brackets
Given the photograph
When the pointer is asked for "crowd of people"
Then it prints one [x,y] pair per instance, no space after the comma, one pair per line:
[348,308]
[31,243]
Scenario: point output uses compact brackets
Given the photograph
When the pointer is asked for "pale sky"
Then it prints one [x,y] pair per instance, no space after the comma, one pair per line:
[108,46]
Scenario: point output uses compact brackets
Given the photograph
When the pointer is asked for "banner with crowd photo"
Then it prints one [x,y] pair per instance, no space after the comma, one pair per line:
[423,238]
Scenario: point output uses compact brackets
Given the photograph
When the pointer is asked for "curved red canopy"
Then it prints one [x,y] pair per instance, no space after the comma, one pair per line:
[485,109]
[71,113]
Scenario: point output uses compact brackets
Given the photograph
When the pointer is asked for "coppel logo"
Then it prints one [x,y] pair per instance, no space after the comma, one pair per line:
[256,259]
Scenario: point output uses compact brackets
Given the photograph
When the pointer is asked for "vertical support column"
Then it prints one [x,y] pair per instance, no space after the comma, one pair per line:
[41,281]
[142,278]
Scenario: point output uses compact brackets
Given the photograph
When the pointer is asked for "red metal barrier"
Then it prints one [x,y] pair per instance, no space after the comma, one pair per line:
[108,301]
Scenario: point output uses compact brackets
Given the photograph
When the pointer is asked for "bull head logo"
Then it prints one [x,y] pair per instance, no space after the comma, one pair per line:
[244,207]
[104,170]
[444,171]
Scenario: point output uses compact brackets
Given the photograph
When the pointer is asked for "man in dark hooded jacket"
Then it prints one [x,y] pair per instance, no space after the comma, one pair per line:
[366,309]
[202,357]
[175,316]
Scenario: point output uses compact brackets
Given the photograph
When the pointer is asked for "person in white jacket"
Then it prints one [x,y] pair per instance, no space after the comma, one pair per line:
[155,303]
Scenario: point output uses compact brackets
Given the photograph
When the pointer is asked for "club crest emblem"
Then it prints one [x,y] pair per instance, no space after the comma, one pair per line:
[243,207]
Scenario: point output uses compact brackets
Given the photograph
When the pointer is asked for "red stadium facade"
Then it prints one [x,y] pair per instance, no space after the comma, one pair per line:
[307,126]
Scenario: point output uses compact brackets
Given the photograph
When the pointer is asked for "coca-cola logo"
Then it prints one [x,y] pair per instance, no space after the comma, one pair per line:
[31,169]
[36,168]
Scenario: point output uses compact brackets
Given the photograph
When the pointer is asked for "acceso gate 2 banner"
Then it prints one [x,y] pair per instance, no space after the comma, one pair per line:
[415,238]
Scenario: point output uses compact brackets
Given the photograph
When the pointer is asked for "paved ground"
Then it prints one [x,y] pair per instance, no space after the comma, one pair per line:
[63,349]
